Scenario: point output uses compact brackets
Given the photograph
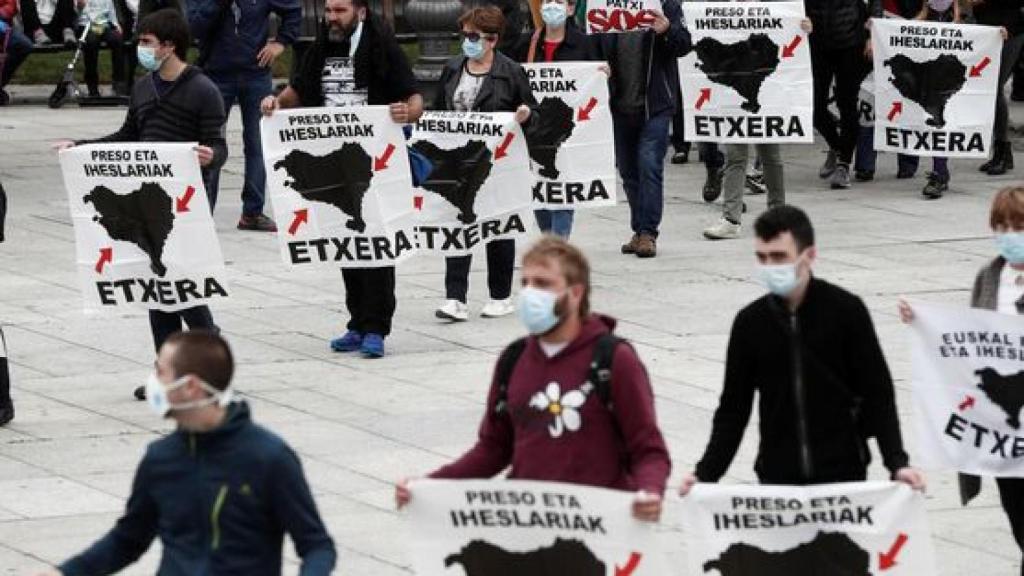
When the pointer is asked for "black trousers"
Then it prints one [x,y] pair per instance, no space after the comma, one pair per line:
[163,324]
[501,259]
[1011,494]
[370,299]
[91,55]
[679,143]
[5,374]
[846,67]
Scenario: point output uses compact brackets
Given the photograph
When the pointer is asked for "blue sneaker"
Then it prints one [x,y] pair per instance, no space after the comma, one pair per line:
[373,346]
[350,342]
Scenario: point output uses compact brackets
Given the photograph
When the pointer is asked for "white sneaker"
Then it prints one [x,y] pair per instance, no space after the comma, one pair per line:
[722,230]
[453,310]
[498,308]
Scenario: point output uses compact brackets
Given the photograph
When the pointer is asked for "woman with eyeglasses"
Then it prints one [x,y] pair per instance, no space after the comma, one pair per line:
[483,80]
[999,286]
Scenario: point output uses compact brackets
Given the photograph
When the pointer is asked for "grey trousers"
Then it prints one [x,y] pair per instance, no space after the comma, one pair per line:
[734,180]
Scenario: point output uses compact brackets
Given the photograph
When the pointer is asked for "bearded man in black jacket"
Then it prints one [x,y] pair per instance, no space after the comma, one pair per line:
[810,351]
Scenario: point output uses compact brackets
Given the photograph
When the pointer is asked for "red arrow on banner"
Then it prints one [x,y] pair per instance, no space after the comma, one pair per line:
[381,162]
[787,51]
[417,202]
[106,257]
[301,217]
[897,108]
[181,204]
[502,150]
[976,70]
[705,96]
[967,403]
[887,560]
[584,112]
[634,561]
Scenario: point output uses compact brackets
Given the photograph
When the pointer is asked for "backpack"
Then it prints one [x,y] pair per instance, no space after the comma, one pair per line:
[599,374]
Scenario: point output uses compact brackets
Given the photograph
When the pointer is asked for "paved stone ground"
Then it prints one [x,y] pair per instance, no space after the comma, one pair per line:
[66,462]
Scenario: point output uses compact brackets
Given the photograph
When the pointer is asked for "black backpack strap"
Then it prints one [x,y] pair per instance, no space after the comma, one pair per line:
[503,373]
[600,375]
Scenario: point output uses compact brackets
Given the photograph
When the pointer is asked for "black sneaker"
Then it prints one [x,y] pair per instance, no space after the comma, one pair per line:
[713,185]
[937,185]
[5,98]
[258,223]
[681,157]
[7,413]
[140,393]
[829,166]
[864,175]
[755,184]
[841,177]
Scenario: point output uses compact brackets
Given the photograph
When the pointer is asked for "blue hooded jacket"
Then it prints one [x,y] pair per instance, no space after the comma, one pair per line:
[242,32]
[220,502]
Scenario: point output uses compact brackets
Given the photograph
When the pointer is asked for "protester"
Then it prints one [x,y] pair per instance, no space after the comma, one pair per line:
[354,43]
[560,40]
[237,54]
[174,103]
[644,89]
[839,44]
[999,286]
[49,20]
[938,178]
[100,17]
[6,404]
[809,350]
[221,491]
[1006,14]
[483,80]
[571,402]
[14,47]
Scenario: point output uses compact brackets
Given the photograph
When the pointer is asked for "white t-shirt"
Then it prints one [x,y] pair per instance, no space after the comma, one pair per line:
[339,76]
[466,91]
[1011,289]
[551,349]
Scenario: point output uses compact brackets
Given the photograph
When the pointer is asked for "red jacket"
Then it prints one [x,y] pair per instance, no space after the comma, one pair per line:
[553,431]
[8,10]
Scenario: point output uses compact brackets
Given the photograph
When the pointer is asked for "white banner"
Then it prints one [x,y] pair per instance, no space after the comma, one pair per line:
[935,87]
[748,78]
[340,183]
[479,187]
[831,529]
[572,145]
[968,377]
[610,16]
[491,528]
[144,235]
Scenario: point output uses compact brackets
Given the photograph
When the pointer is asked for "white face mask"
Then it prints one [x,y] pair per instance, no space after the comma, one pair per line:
[156,396]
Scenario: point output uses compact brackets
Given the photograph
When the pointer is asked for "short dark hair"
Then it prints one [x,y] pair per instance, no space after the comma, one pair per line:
[203,353]
[486,19]
[785,218]
[168,25]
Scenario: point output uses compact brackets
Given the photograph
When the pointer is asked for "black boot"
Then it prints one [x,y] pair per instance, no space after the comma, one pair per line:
[936,186]
[1005,163]
[997,151]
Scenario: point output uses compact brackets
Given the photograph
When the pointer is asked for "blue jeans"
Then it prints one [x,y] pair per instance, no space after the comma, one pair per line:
[640,148]
[248,91]
[557,222]
[18,47]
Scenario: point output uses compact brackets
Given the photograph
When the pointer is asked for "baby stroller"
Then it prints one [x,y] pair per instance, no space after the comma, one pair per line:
[68,86]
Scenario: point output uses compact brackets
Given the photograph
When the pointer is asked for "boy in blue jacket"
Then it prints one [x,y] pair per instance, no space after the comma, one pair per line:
[220,491]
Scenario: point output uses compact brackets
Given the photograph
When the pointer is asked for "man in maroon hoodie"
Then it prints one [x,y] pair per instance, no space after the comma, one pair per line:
[552,422]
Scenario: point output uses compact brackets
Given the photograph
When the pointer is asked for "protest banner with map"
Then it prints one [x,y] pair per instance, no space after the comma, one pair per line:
[611,16]
[968,384]
[854,529]
[489,527]
[479,189]
[935,87]
[340,183]
[571,145]
[144,235]
[748,78]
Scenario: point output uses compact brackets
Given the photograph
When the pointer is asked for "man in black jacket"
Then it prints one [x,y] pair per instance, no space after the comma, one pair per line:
[356,61]
[220,492]
[6,405]
[810,350]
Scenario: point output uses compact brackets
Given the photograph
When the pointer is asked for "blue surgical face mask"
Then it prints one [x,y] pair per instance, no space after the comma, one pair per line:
[779,279]
[536,310]
[554,14]
[473,50]
[147,58]
[1011,247]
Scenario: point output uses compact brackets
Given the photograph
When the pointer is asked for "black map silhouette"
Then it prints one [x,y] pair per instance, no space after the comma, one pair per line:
[143,217]
[563,558]
[549,133]
[831,553]
[340,179]
[929,84]
[458,173]
[1007,392]
[742,66]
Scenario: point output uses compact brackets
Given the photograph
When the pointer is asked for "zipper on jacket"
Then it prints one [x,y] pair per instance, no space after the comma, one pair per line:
[218,504]
[799,392]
